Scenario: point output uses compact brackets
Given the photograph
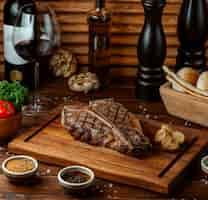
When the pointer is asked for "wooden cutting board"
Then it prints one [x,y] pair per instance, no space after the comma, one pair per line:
[160,171]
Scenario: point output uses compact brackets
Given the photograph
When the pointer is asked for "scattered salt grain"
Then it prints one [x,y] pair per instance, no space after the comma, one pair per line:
[204,181]
[144,110]
[155,117]
[37,173]
[66,99]
[110,185]
[186,123]
[2,148]
[147,116]
[56,98]
[48,171]
[140,107]
[42,173]
[98,188]
[20,196]
[9,154]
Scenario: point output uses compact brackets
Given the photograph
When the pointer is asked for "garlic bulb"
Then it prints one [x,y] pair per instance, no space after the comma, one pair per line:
[189,75]
[202,82]
[63,63]
[83,82]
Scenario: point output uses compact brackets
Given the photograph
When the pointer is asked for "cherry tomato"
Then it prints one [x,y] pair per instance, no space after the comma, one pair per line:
[7,109]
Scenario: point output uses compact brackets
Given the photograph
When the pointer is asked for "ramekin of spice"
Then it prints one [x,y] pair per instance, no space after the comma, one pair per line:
[21,167]
[76,178]
[204,164]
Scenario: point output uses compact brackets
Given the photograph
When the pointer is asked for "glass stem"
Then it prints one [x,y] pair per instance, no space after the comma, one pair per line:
[36,84]
[37,75]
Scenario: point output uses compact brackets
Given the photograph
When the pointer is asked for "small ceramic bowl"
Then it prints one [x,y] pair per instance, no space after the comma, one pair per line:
[75,187]
[204,164]
[9,126]
[19,176]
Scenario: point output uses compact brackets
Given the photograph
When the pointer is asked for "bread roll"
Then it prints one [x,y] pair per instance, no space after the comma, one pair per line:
[202,82]
[189,75]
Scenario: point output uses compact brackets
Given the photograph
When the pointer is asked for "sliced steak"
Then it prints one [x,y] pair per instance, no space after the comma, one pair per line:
[126,122]
[108,124]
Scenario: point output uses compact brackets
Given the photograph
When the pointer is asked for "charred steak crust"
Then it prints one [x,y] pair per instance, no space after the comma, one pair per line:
[106,123]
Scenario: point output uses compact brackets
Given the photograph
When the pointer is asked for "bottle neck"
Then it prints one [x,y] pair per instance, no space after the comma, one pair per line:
[100,4]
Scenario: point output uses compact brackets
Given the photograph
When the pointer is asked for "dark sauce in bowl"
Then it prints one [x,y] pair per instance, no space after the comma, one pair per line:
[75,177]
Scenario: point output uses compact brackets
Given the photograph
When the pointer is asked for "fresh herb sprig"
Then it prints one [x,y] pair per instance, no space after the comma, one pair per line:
[13,92]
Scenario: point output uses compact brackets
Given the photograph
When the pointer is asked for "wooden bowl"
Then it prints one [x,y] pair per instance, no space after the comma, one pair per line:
[184,106]
[10,126]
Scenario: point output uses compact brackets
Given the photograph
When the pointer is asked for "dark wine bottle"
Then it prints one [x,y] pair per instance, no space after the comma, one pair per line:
[99,54]
[151,52]
[192,34]
[18,66]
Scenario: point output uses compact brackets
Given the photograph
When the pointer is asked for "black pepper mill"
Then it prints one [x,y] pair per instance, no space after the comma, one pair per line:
[192,33]
[151,52]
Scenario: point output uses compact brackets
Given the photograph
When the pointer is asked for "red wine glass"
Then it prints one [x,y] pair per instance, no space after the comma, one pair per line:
[37,46]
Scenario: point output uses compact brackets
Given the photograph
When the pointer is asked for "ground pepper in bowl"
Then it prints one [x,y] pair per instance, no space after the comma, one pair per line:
[75,177]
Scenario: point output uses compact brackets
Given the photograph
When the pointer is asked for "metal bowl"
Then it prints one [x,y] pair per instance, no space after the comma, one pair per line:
[204,166]
[74,187]
[19,176]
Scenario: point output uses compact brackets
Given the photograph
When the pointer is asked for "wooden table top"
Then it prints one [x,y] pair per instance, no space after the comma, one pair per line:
[196,187]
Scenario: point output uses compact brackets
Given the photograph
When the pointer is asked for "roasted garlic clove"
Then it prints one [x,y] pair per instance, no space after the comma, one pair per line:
[169,139]
[179,137]
[173,146]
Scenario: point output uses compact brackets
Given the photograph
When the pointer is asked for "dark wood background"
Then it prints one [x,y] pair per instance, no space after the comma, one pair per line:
[127,23]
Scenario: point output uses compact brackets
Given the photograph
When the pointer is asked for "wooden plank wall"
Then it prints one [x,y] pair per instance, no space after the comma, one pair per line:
[128,20]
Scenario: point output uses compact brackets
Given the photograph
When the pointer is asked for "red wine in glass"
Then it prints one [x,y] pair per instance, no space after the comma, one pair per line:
[25,49]
[44,52]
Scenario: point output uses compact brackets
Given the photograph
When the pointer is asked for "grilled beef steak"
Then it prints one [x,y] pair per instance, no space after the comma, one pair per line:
[106,123]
